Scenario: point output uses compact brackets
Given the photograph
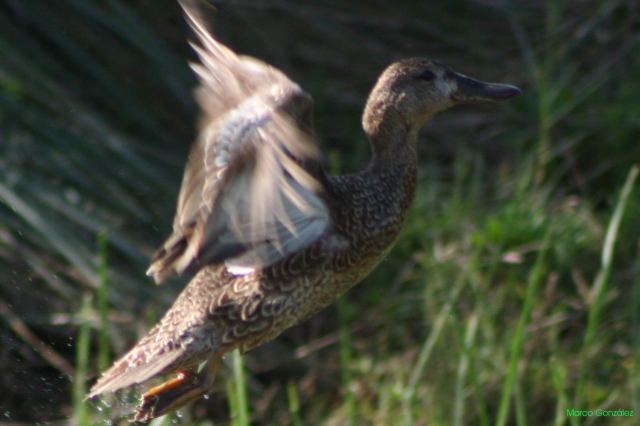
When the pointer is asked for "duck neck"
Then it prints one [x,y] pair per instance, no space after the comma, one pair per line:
[393,141]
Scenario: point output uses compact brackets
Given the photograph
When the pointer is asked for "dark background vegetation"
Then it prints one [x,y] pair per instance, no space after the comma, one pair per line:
[499,304]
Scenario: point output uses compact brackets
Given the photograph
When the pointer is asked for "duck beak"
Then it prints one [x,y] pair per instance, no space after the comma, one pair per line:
[472,90]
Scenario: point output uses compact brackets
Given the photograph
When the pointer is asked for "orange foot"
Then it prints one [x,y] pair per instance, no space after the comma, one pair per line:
[175,393]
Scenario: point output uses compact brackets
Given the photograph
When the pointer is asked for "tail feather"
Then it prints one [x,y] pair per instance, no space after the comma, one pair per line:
[125,372]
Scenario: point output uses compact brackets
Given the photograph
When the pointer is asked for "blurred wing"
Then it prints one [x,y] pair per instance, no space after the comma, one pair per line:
[250,194]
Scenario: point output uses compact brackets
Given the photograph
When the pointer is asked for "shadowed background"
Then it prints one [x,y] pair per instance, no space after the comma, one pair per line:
[503,301]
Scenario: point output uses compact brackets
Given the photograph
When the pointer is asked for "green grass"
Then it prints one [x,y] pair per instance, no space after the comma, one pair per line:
[511,296]
[596,295]
[238,392]
[517,341]
[80,408]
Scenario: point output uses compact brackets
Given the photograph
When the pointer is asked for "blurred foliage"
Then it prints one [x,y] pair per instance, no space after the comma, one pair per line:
[96,118]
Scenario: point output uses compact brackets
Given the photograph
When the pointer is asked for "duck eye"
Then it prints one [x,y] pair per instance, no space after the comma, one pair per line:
[426,76]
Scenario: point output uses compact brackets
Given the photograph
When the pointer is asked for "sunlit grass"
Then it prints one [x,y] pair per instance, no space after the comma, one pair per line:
[237,392]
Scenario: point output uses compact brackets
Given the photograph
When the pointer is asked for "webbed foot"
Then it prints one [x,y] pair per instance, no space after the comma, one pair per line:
[175,393]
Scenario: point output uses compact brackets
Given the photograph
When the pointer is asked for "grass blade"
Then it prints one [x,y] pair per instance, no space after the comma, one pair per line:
[599,287]
[535,278]
[80,408]
[463,369]
[238,397]
[426,350]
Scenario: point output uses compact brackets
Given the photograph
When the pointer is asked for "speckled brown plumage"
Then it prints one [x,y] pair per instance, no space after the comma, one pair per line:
[272,239]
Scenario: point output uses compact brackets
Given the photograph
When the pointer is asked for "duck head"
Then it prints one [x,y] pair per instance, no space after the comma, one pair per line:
[412,90]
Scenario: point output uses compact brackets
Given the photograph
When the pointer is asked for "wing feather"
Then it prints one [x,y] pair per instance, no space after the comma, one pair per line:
[251,193]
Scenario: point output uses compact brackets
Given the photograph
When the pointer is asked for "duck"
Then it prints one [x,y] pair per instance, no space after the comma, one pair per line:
[268,236]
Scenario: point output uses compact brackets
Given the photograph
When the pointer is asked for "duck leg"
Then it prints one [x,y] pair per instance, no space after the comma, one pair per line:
[177,392]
